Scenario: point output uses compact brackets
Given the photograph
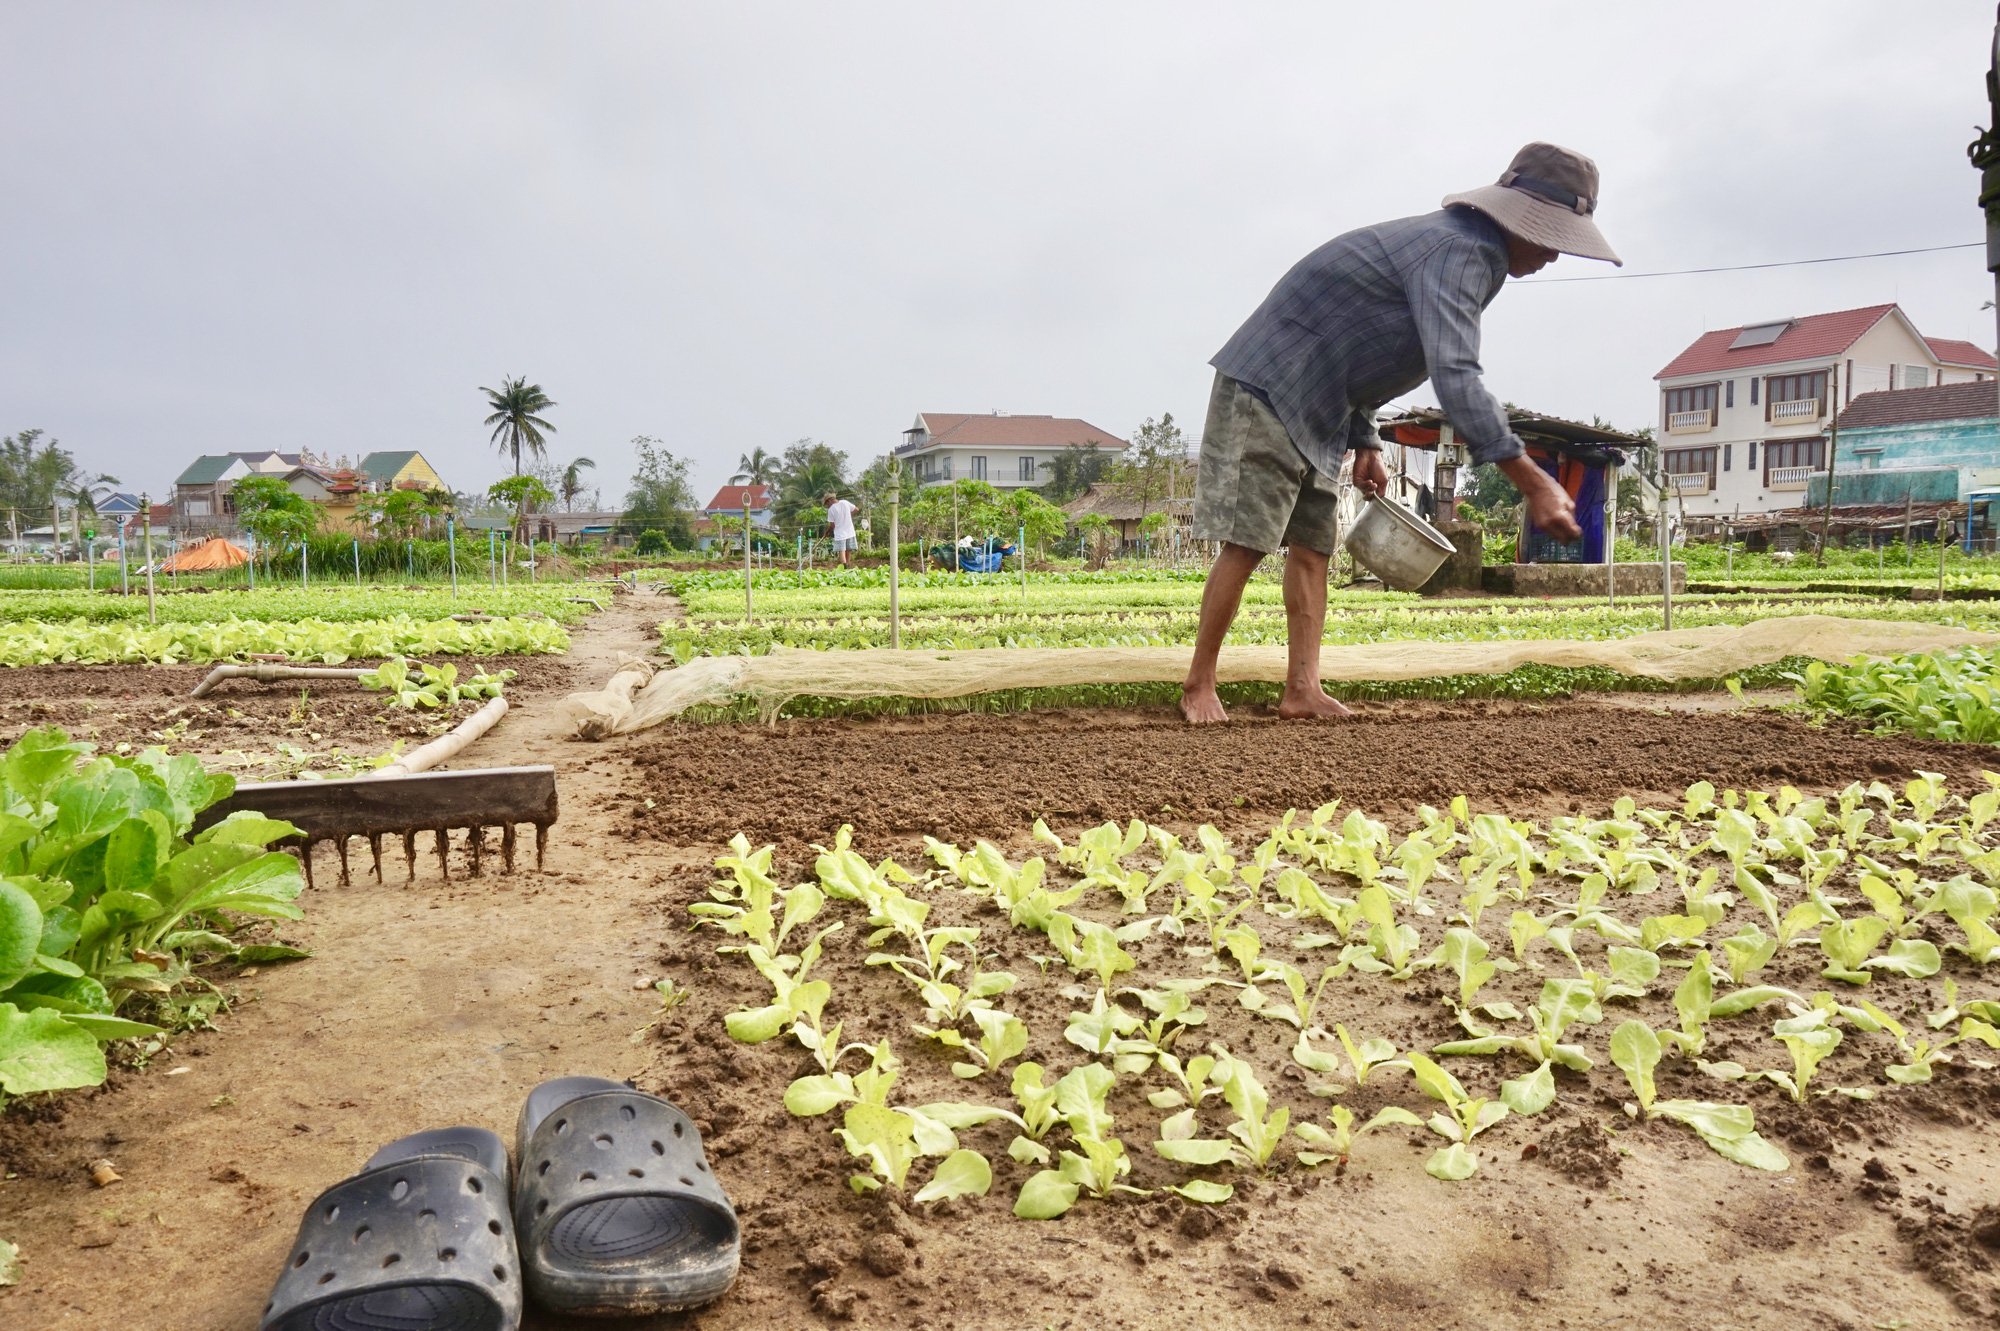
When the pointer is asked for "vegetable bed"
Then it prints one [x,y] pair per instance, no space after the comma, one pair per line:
[1653,942]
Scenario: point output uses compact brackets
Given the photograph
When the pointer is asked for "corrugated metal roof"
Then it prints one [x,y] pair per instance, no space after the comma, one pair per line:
[385,466]
[207,469]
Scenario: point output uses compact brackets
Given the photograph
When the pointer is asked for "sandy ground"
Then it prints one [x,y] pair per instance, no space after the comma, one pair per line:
[444,1003]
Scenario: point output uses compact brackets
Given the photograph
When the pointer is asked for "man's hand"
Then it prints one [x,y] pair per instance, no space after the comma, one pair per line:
[1370,476]
[1549,507]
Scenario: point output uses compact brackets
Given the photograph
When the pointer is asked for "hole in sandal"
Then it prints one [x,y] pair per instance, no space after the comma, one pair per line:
[636,1173]
[447,1254]
[499,1273]
[400,1190]
[602,1141]
[680,1129]
[586,1177]
[493,1226]
[474,1185]
[301,1260]
[325,1279]
[542,1207]
[562,1126]
[686,1182]
[659,1149]
[702,1165]
[542,1168]
[628,1112]
[361,1233]
[333,1213]
[391,1260]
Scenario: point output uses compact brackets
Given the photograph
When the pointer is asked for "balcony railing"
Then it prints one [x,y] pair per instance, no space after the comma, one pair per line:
[1804,409]
[1689,482]
[1690,422]
[1790,478]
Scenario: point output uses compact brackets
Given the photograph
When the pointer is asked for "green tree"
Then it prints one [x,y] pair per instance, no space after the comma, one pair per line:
[1035,517]
[522,494]
[1074,470]
[572,482]
[802,491]
[272,511]
[1155,463]
[660,496]
[516,421]
[1094,536]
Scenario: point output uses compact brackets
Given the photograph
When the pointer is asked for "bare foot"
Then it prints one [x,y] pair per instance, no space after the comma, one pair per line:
[1202,707]
[1309,706]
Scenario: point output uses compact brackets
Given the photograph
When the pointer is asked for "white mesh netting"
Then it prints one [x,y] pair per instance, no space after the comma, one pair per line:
[639,697]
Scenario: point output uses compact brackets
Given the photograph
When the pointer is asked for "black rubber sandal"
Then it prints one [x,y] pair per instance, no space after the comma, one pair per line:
[617,1211]
[419,1240]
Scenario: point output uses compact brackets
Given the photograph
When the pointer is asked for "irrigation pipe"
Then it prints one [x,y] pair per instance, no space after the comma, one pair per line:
[446,746]
[265,674]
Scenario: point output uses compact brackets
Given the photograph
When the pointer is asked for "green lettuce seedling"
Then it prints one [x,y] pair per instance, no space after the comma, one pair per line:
[1729,1129]
[1563,1003]
[1465,1118]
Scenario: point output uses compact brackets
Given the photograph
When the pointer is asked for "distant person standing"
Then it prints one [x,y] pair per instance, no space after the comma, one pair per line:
[840,517]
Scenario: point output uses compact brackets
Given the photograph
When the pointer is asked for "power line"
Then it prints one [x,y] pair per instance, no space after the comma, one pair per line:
[1746,267]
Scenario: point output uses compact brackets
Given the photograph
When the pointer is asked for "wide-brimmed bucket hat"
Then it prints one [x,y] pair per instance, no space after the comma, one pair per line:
[1546,196]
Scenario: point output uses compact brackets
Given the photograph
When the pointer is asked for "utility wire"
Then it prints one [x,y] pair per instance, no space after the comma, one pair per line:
[1746,267]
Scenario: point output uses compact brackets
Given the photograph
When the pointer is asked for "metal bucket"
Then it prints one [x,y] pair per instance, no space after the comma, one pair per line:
[1396,545]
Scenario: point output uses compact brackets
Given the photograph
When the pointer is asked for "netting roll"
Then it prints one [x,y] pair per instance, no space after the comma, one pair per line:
[1682,654]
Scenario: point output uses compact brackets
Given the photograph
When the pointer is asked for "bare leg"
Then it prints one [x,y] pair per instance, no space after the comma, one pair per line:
[1220,597]
[1305,624]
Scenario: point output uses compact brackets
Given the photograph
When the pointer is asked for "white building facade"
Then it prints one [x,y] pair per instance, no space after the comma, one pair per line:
[1007,451]
[1744,411]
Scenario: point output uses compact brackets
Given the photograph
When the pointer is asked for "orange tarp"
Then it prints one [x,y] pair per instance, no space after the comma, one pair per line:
[210,555]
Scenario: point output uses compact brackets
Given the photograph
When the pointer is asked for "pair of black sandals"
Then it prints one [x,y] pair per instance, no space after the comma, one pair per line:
[613,1212]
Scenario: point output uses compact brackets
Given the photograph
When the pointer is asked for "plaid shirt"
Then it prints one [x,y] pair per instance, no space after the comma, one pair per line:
[1367,317]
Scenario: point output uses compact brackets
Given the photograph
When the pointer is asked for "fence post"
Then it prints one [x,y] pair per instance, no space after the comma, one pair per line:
[357,561]
[451,553]
[146,507]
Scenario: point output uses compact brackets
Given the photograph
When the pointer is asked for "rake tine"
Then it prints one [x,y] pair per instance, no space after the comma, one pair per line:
[541,842]
[341,843]
[507,846]
[375,848]
[444,854]
[306,860]
[409,856]
[475,846]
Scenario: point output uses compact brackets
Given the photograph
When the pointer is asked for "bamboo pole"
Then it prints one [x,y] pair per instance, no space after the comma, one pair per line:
[146,507]
[446,746]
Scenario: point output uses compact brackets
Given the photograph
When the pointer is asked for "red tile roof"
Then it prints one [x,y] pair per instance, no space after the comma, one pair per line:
[1951,351]
[730,498]
[1912,406]
[991,431]
[1816,335]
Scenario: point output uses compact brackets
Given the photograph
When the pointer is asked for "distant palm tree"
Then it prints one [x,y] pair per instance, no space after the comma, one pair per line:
[514,419]
[572,482]
[82,492]
[753,469]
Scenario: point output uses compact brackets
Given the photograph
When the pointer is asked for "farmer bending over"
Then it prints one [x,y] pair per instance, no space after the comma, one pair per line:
[1365,318]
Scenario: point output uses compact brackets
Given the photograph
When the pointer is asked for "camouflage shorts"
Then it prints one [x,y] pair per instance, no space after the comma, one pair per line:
[1255,488]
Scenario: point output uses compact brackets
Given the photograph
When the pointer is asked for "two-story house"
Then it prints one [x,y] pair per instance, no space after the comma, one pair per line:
[1744,410]
[730,500]
[1006,451]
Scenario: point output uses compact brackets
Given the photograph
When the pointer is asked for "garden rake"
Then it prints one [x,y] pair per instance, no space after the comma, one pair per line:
[379,806]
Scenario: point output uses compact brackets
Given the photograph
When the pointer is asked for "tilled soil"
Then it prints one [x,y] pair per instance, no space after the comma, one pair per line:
[962,774]
[257,731]
[443,1003]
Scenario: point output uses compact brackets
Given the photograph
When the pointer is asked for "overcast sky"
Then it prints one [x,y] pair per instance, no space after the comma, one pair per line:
[235,226]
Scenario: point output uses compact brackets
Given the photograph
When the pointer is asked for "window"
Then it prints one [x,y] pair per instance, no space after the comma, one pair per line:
[1729,393]
[978,472]
[1794,388]
[1028,470]
[1780,454]
[1689,462]
[1915,376]
[1751,462]
[1686,401]
[1753,390]
[1725,456]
